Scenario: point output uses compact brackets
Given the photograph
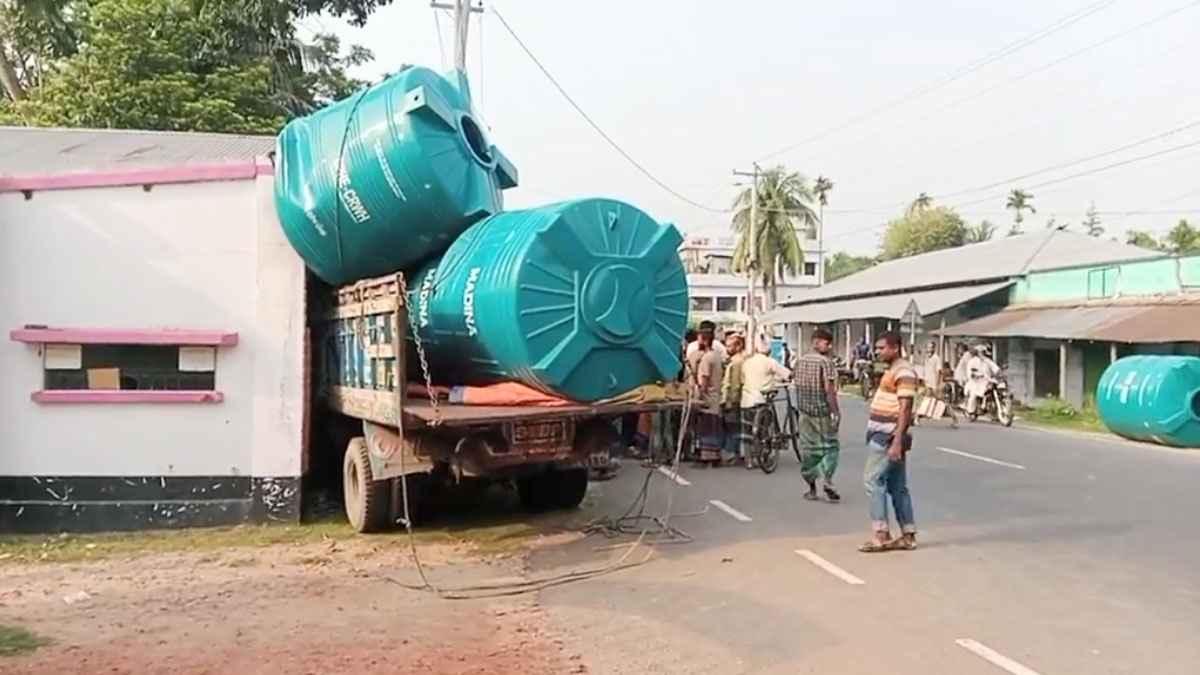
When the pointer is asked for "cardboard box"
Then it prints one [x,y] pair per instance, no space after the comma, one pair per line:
[104,378]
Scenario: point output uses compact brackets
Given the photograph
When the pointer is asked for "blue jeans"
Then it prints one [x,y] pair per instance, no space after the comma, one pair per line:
[884,477]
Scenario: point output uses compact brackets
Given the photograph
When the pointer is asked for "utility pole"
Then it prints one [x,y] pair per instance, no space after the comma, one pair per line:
[752,264]
[462,15]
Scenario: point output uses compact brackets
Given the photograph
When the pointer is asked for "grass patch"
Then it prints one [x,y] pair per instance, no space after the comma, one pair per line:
[500,535]
[15,641]
[1062,415]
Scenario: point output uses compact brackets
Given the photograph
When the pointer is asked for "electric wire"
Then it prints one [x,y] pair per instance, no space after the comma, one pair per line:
[596,127]
[1060,24]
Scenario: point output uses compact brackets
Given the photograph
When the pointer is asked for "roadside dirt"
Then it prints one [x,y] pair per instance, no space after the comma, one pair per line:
[312,608]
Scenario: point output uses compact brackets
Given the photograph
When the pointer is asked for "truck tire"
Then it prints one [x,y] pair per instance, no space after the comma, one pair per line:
[535,492]
[366,498]
[553,489]
[570,487]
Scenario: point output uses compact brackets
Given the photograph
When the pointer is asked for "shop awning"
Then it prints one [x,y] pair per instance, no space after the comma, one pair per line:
[1175,319]
[882,306]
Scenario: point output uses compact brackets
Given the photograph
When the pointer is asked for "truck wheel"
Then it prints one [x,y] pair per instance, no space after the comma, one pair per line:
[536,492]
[570,487]
[366,498]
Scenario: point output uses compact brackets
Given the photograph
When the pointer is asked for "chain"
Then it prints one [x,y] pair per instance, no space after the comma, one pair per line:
[412,325]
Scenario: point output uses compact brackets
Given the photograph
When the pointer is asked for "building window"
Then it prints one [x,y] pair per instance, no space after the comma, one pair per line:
[727,303]
[810,269]
[702,304]
[1102,283]
[130,367]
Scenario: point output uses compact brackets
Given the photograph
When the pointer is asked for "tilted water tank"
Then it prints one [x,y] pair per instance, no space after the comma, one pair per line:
[585,298]
[1152,398]
[387,178]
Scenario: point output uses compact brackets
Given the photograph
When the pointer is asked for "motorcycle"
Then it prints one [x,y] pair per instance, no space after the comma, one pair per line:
[997,402]
[869,374]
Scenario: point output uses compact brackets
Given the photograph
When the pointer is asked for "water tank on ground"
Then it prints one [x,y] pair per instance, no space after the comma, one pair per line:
[585,298]
[1152,398]
[386,179]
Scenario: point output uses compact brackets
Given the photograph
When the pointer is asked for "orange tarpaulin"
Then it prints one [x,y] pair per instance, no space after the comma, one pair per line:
[503,393]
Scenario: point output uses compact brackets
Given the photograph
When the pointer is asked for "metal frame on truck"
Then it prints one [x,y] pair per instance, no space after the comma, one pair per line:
[360,346]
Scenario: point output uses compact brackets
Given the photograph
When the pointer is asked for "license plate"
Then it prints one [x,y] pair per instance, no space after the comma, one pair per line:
[541,433]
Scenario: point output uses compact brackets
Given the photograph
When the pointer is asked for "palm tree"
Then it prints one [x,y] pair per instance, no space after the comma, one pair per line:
[821,190]
[922,203]
[1020,202]
[977,234]
[784,206]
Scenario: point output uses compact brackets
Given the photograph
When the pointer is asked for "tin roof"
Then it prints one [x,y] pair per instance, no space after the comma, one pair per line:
[28,150]
[883,306]
[990,260]
[1140,320]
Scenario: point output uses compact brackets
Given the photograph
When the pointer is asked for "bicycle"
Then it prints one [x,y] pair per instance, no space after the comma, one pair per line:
[769,435]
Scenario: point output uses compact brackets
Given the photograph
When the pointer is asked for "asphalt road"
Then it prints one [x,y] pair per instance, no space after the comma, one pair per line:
[1062,554]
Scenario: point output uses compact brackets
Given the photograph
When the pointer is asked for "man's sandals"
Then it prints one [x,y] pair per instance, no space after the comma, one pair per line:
[905,542]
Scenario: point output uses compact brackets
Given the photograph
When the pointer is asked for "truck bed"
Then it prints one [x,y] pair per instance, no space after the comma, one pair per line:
[456,414]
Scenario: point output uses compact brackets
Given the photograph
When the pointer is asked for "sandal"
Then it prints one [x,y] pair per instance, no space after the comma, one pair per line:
[874,546]
[832,494]
[811,496]
[905,542]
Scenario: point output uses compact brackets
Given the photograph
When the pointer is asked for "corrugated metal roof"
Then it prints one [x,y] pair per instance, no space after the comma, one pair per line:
[1175,319]
[26,150]
[997,259]
[883,306]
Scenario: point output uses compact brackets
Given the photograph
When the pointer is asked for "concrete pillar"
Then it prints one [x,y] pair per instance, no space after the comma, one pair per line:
[1062,370]
[942,338]
[1112,352]
[889,324]
[846,325]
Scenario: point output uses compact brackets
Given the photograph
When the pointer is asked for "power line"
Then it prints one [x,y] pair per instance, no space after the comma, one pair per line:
[596,127]
[1083,160]
[1089,172]
[1079,52]
[1007,50]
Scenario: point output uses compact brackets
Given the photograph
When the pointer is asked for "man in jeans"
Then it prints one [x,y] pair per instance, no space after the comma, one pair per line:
[888,442]
[816,399]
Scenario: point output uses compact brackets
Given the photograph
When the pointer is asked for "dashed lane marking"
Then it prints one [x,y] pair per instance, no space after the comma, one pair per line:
[674,476]
[829,567]
[981,458]
[994,657]
[737,515]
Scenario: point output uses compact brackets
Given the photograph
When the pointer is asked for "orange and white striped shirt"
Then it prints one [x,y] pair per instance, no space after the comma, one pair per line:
[900,381]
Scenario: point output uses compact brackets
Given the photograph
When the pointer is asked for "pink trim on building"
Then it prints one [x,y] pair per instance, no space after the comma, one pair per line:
[125,396]
[118,336]
[183,173]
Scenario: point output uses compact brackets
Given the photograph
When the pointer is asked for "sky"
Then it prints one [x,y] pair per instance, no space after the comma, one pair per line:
[887,98]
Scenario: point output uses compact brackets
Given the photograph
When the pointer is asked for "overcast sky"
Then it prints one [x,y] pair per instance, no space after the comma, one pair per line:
[696,89]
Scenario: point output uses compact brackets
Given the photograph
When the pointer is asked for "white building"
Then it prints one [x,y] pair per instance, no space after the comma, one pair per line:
[719,295]
[155,318]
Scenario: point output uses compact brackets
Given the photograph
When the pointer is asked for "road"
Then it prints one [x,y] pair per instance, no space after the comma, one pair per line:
[1040,553]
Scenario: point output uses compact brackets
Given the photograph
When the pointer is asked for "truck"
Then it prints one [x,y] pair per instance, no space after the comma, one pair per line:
[364,370]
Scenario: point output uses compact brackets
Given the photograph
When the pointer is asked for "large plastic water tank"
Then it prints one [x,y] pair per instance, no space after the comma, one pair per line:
[387,178]
[585,298]
[1152,398]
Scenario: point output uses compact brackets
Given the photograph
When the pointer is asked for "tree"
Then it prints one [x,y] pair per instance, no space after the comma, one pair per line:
[1183,239]
[1020,202]
[196,65]
[785,205]
[842,264]
[975,234]
[921,203]
[32,34]
[931,229]
[1091,222]
[1142,239]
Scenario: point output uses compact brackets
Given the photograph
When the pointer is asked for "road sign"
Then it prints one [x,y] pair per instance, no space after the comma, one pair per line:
[911,322]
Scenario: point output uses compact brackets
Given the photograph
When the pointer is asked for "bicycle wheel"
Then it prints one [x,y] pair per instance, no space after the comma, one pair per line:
[766,439]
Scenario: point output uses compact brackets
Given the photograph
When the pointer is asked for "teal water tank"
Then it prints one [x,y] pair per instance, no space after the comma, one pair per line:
[386,179]
[586,299]
[1152,398]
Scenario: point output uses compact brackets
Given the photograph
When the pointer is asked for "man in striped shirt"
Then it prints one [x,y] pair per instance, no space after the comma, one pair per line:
[888,442]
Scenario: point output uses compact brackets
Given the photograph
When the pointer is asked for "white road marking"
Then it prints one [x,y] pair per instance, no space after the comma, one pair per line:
[981,458]
[994,657]
[674,476]
[737,515]
[829,567]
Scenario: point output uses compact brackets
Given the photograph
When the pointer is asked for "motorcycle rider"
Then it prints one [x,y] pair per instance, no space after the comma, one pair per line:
[981,371]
